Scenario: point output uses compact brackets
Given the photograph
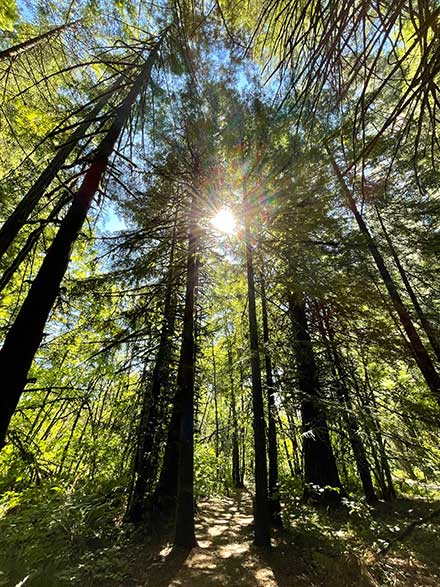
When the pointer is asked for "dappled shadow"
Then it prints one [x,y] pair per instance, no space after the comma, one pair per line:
[224,555]
[319,548]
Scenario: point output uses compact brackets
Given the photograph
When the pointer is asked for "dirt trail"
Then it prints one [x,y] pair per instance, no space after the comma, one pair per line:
[225,555]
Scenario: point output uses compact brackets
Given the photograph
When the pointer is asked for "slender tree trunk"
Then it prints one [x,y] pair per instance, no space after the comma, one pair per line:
[274,493]
[343,397]
[286,448]
[185,533]
[16,50]
[236,477]
[30,242]
[419,351]
[25,335]
[24,209]
[426,324]
[214,389]
[321,478]
[152,413]
[261,511]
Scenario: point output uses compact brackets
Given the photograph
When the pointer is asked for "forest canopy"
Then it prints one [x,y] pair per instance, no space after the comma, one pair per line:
[219,292]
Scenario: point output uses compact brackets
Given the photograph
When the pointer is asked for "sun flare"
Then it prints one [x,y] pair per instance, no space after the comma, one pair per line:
[224,221]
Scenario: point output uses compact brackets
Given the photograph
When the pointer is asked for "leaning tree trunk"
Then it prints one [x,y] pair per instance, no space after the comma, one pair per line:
[274,495]
[321,478]
[261,511]
[185,532]
[31,240]
[16,50]
[152,413]
[429,329]
[24,209]
[419,351]
[25,335]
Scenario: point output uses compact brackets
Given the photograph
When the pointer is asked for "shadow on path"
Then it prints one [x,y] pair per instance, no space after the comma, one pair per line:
[225,555]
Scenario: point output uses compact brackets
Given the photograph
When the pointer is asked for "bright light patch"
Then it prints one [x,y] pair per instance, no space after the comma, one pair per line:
[224,221]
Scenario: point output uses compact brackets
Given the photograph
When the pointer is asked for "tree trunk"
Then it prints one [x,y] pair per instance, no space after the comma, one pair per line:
[261,512]
[214,389]
[24,209]
[152,413]
[25,335]
[236,477]
[274,494]
[343,397]
[185,533]
[429,329]
[419,351]
[30,242]
[16,50]
[321,478]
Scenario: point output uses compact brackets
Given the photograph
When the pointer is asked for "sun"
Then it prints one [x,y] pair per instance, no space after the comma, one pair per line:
[224,221]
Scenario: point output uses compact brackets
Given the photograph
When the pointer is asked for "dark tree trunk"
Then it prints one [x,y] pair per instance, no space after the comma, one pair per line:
[165,494]
[321,478]
[152,413]
[29,244]
[24,209]
[261,511]
[16,50]
[236,477]
[214,389]
[274,493]
[419,351]
[344,399]
[185,533]
[25,335]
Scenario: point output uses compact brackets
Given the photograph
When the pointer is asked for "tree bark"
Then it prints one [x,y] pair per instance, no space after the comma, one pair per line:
[152,413]
[185,532]
[321,478]
[30,242]
[25,335]
[237,481]
[274,493]
[261,512]
[343,397]
[16,50]
[24,209]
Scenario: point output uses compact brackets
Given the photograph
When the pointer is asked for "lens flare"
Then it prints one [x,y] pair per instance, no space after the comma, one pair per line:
[224,221]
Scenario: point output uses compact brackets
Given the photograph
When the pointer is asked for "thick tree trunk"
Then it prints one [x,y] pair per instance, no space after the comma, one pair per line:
[152,413]
[419,351]
[274,494]
[321,478]
[185,533]
[25,335]
[343,397]
[261,511]
[165,494]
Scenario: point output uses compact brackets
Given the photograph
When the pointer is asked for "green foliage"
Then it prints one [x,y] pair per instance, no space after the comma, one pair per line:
[8,14]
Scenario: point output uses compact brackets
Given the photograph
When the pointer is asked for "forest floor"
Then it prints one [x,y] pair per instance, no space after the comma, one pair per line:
[225,555]
[55,540]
